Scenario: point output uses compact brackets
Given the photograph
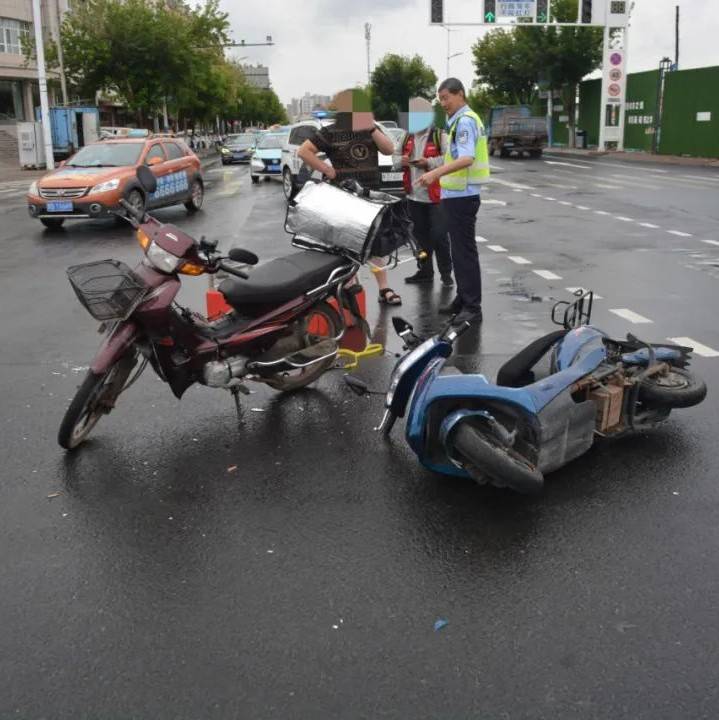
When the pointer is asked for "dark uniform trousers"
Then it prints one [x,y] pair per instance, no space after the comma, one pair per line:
[461,216]
[430,232]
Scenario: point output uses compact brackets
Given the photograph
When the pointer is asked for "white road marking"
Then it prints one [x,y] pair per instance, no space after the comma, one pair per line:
[536,195]
[575,290]
[631,316]
[546,197]
[547,274]
[517,190]
[582,207]
[519,260]
[563,202]
[623,219]
[568,164]
[711,242]
[480,239]
[699,177]
[494,202]
[495,167]
[601,212]
[699,349]
[649,225]
[512,184]
[497,248]
[559,186]
[607,187]
[679,233]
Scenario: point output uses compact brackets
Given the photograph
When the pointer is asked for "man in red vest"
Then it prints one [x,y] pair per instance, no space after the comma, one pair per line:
[423,151]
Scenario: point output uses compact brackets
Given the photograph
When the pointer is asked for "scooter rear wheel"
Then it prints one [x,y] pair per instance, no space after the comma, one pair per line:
[488,461]
[677,389]
[94,398]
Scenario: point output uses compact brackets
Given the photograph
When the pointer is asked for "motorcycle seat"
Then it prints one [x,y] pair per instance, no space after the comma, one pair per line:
[279,281]
[517,372]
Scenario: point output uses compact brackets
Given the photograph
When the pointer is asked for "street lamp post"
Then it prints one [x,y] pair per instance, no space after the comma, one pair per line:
[42,82]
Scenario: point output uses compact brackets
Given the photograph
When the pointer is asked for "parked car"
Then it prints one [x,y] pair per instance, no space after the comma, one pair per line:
[295,173]
[91,183]
[238,148]
[267,158]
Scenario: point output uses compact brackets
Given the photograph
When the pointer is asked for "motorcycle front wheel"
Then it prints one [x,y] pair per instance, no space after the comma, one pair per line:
[94,398]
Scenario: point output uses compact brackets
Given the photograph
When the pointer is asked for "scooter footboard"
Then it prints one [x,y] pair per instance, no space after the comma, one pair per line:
[566,431]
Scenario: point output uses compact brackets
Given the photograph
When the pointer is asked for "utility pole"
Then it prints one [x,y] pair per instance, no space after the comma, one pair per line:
[676,40]
[55,23]
[368,38]
[42,82]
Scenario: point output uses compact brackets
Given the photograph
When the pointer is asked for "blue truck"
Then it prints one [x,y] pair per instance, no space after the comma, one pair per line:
[72,128]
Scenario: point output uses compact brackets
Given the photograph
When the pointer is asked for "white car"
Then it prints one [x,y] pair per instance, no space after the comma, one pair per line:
[295,173]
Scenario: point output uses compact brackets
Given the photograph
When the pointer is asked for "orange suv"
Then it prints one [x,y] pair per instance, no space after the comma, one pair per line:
[91,183]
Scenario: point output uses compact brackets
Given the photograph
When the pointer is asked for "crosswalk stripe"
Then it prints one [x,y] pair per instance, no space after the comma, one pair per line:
[575,290]
[497,248]
[519,260]
[630,315]
[547,274]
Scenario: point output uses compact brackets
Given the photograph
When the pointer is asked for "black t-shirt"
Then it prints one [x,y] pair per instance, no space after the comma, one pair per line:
[353,154]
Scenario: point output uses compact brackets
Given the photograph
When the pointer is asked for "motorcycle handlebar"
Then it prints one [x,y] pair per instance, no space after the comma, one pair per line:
[231,270]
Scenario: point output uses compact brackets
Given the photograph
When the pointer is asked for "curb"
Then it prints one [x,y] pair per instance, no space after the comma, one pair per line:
[638,157]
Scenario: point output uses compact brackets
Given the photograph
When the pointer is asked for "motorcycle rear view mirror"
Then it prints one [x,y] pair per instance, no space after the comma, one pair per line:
[147,179]
[243,256]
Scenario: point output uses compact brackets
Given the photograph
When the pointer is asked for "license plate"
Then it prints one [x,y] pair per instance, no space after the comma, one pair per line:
[58,207]
[273,169]
[393,177]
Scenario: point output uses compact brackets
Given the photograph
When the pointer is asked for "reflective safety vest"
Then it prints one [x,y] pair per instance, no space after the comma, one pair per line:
[478,172]
[432,149]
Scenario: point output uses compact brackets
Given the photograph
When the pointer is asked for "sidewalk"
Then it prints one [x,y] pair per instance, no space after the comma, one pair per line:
[637,157]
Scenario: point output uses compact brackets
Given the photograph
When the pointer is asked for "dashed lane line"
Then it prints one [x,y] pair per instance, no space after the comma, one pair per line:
[623,219]
[602,212]
[519,260]
[652,226]
[547,274]
[711,242]
[564,202]
[497,248]
[582,207]
[608,187]
[507,183]
[480,239]
[679,233]
[569,164]
[494,202]
[699,349]
[631,316]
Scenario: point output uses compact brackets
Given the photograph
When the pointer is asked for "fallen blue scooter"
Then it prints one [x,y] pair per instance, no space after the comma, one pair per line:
[513,432]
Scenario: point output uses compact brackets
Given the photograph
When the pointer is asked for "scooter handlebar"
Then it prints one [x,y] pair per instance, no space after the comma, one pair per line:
[222,265]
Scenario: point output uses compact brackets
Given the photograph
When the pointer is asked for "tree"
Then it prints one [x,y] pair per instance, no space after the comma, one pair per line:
[395,80]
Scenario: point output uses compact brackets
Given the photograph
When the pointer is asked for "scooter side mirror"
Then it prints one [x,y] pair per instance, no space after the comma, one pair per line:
[243,256]
[357,386]
[401,326]
[147,179]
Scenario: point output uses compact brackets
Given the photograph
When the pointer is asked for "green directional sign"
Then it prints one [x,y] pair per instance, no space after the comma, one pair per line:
[541,18]
[490,11]
[489,17]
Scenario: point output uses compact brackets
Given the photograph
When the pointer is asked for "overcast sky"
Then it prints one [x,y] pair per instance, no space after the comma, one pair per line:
[320,45]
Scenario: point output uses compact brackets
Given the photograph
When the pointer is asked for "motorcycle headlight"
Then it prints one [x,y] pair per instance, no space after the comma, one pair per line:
[161,259]
[106,186]
[33,189]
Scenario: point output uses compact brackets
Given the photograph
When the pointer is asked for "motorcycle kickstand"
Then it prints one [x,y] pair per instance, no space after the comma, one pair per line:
[236,389]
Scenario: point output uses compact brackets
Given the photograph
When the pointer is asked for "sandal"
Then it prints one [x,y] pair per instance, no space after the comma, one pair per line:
[387,296]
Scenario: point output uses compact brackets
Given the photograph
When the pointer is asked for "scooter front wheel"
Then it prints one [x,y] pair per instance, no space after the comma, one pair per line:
[487,461]
[678,388]
[93,399]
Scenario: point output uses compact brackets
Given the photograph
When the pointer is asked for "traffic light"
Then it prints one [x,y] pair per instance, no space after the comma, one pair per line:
[490,11]
[542,11]
[436,12]
[586,16]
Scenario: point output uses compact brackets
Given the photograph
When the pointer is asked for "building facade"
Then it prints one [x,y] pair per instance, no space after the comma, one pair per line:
[257,75]
[19,89]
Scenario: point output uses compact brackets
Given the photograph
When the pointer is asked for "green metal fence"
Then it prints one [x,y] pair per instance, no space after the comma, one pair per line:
[690,123]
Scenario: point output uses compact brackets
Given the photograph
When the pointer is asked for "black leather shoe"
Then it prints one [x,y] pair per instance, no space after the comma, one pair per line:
[419,278]
[470,316]
[452,309]
[447,281]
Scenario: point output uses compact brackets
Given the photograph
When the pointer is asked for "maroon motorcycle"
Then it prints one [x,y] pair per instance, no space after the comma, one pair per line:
[282,330]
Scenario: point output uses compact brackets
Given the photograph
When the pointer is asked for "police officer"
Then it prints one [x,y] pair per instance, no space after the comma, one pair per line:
[465,168]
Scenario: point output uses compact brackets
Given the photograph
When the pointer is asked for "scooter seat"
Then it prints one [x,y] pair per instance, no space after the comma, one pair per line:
[281,280]
[517,372]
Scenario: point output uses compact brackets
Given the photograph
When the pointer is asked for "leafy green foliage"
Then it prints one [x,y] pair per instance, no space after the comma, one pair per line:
[395,80]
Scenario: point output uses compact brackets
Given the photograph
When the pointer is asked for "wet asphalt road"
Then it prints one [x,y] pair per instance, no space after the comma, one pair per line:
[305,583]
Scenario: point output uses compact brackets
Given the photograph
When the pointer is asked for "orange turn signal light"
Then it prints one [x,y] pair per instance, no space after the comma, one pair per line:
[143,238]
[189,268]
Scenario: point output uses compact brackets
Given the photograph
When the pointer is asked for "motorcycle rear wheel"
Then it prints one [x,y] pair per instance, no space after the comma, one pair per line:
[94,398]
[485,460]
[679,388]
[330,321]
